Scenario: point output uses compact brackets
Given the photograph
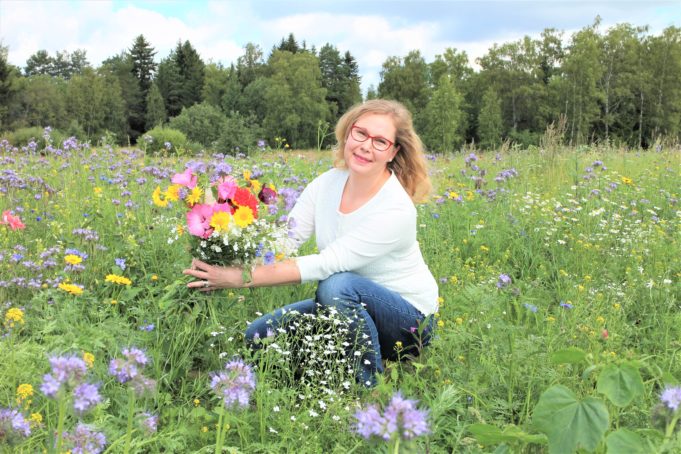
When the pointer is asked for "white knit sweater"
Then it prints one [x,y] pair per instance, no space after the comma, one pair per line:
[377,240]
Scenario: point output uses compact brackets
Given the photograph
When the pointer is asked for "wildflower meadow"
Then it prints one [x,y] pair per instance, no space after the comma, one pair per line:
[559,327]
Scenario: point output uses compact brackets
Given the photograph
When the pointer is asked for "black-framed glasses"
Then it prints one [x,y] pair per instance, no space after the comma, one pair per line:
[378,142]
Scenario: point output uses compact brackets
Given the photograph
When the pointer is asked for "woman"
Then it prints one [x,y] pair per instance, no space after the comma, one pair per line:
[364,220]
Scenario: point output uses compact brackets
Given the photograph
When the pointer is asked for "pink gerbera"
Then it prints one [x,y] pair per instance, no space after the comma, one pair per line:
[198,220]
[186,178]
[13,221]
[226,189]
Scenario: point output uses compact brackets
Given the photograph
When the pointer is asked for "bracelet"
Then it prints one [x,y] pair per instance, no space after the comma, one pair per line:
[247,275]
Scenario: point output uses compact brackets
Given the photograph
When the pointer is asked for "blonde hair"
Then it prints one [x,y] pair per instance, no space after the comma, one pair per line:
[409,164]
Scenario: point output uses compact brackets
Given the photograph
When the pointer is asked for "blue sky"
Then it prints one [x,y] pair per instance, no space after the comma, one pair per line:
[372,30]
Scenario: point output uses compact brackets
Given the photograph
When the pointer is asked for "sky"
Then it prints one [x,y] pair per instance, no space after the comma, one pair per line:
[372,30]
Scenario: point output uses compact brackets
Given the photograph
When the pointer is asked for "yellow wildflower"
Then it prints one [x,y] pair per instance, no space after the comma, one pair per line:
[626,180]
[73,259]
[454,280]
[173,192]
[256,185]
[398,346]
[459,321]
[98,190]
[220,221]
[13,316]
[36,418]
[114,302]
[24,391]
[440,300]
[157,199]
[71,288]
[470,195]
[551,319]
[154,277]
[197,402]
[243,216]
[440,323]
[116,279]
[179,229]
[204,429]
[453,195]
[89,359]
[600,320]
[484,248]
[247,174]
[616,306]
[195,196]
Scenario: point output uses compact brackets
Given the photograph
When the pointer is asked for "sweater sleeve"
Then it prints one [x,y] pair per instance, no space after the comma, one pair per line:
[301,217]
[370,238]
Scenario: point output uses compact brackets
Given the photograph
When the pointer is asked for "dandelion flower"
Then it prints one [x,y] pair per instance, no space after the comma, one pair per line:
[116,279]
[73,289]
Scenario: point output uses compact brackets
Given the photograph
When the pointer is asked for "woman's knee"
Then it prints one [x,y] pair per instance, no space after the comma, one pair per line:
[335,287]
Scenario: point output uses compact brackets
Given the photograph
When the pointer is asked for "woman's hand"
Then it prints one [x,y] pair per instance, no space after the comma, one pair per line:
[211,277]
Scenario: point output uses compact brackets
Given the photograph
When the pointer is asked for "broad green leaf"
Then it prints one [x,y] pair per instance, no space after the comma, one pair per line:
[487,434]
[620,384]
[570,423]
[624,440]
[572,355]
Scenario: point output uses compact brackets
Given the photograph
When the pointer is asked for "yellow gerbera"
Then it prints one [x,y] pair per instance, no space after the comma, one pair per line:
[73,259]
[156,198]
[173,192]
[195,196]
[243,216]
[116,279]
[220,221]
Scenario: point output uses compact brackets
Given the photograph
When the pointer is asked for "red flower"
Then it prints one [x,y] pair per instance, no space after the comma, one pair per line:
[245,198]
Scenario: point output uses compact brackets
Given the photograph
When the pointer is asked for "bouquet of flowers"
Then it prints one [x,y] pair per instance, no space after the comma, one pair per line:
[225,224]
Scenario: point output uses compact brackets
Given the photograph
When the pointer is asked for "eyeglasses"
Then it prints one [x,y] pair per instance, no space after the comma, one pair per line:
[361,135]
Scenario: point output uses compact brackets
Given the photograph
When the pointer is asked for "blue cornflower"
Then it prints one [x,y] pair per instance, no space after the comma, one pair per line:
[120,263]
[565,305]
[530,307]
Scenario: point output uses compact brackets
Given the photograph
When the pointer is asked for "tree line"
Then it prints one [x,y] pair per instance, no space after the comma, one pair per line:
[620,86]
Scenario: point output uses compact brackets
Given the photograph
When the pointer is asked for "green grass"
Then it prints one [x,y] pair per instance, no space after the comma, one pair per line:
[594,272]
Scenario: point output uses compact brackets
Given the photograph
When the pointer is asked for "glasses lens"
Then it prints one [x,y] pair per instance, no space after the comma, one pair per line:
[381,144]
[358,134]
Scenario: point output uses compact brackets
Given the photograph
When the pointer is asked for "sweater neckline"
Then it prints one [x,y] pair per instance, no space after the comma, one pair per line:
[367,203]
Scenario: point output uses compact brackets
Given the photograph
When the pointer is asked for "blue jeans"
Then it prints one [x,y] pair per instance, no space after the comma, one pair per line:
[380,320]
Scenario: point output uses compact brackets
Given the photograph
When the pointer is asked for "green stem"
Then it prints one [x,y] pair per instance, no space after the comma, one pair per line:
[670,427]
[222,429]
[60,423]
[131,415]
[396,447]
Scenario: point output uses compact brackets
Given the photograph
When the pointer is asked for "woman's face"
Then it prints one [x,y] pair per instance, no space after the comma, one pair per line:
[370,144]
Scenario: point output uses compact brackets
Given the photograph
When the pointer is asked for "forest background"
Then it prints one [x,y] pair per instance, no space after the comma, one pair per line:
[618,86]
